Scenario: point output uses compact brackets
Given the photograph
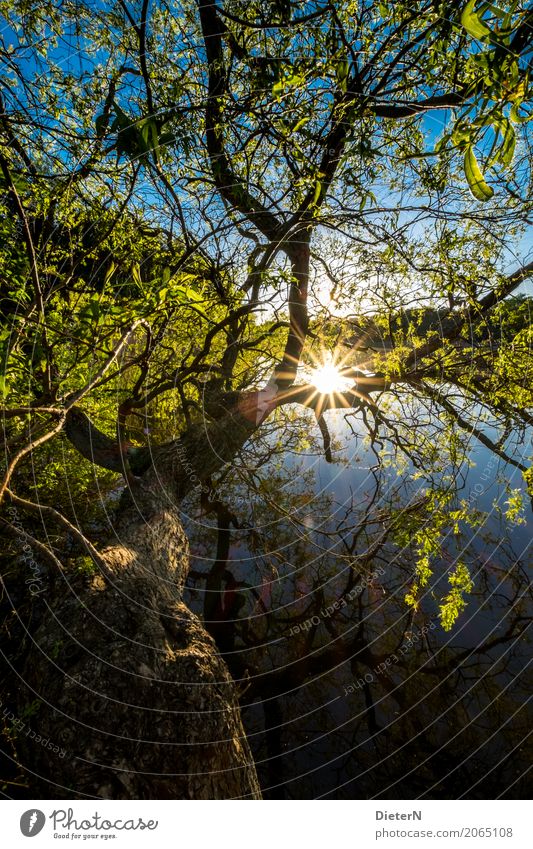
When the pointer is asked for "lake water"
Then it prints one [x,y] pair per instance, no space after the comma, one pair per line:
[350,695]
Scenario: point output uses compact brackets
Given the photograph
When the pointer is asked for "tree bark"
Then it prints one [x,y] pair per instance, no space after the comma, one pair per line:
[129,682]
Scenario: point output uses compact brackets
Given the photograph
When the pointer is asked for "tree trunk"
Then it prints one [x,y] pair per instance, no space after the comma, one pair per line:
[131,685]
[128,682]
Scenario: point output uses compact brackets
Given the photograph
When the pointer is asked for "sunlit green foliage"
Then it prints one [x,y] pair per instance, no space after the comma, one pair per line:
[138,278]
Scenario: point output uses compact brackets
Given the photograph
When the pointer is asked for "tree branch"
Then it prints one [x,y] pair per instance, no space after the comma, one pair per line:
[228,183]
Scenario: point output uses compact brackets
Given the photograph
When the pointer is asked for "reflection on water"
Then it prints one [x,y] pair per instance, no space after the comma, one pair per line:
[347,691]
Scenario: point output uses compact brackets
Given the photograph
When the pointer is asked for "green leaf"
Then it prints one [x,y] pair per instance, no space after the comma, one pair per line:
[442,142]
[515,115]
[342,70]
[504,154]
[461,133]
[109,273]
[136,275]
[476,181]
[454,603]
[473,24]
[186,295]
[122,120]
[294,80]
[494,10]
[290,81]
[300,124]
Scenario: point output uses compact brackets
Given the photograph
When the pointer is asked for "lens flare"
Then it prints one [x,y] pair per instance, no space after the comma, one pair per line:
[327,379]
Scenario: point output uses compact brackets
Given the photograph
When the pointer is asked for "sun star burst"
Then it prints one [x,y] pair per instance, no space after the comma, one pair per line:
[327,378]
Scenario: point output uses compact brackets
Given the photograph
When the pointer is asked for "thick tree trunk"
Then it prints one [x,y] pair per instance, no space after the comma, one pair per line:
[131,685]
[128,682]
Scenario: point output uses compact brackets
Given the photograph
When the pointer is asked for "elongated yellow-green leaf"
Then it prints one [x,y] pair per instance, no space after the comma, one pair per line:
[186,295]
[505,152]
[136,275]
[476,181]
[189,293]
[109,273]
[515,115]
[294,80]
[300,124]
[289,81]
[473,23]
[343,68]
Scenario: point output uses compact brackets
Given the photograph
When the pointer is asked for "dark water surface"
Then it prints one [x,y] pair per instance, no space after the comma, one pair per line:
[363,699]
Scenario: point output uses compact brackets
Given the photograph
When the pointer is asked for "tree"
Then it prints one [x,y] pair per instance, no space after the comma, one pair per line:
[171,197]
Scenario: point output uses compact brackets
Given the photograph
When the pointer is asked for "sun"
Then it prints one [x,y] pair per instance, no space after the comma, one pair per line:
[327,378]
